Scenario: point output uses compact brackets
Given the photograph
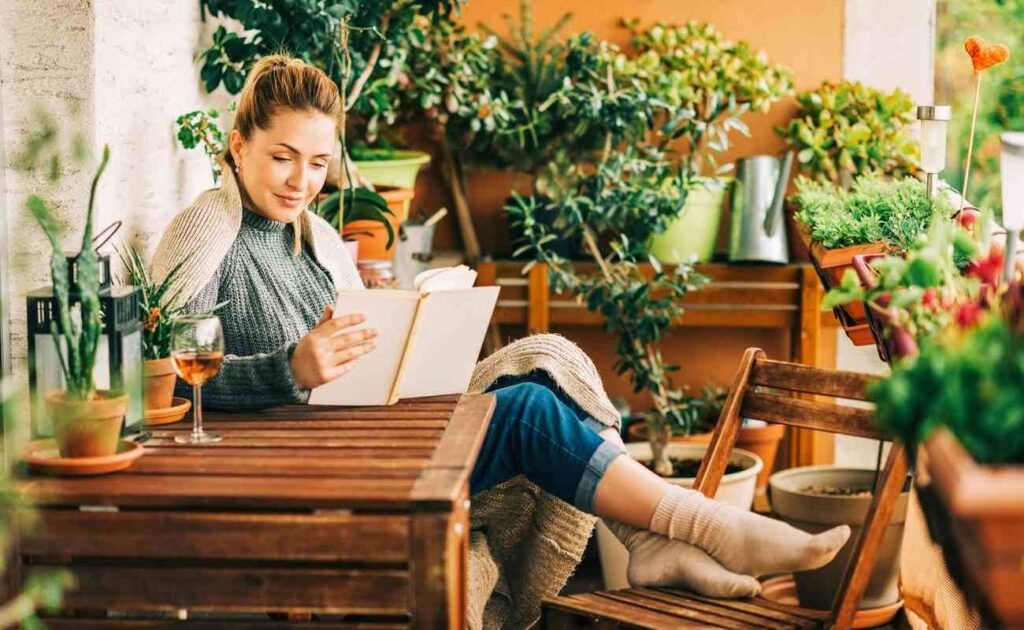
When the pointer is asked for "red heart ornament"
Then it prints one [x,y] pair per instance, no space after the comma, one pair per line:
[985,55]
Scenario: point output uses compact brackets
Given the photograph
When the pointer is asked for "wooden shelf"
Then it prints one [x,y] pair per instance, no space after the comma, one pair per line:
[784,297]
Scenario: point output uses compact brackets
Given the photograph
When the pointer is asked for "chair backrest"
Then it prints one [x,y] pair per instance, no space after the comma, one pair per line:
[790,394]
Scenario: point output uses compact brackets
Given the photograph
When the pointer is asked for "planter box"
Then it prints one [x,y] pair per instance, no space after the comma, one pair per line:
[976,514]
[831,265]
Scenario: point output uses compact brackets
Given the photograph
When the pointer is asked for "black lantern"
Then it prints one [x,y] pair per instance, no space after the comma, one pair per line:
[118,357]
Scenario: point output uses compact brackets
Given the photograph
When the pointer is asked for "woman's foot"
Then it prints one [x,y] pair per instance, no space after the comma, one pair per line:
[658,561]
[740,540]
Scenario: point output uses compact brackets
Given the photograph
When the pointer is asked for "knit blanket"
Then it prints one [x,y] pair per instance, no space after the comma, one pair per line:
[524,543]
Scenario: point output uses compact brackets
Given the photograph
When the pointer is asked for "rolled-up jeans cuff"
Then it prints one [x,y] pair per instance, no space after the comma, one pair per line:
[596,467]
[595,425]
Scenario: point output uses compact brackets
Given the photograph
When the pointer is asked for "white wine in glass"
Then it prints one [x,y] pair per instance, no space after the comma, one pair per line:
[197,351]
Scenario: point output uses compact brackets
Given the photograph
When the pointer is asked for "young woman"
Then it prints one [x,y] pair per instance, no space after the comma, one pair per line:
[253,244]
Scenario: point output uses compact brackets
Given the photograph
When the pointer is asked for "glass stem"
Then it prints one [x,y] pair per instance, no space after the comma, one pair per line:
[197,410]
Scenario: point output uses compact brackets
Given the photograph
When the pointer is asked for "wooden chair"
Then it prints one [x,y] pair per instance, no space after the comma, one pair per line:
[785,393]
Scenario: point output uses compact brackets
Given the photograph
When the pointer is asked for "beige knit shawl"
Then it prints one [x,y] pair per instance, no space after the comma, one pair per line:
[524,543]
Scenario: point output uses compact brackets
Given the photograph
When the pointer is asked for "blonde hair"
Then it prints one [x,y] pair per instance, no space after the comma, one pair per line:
[278,82]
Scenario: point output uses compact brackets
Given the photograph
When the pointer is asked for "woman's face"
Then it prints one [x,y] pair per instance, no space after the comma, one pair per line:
[281,169]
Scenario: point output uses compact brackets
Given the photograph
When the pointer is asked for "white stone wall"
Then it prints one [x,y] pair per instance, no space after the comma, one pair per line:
[129,67]
[46,58]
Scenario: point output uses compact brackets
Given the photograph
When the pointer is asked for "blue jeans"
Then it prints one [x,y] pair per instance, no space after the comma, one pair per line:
[539,432]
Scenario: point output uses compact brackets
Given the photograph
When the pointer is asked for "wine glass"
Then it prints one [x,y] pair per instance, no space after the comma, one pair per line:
[197,350]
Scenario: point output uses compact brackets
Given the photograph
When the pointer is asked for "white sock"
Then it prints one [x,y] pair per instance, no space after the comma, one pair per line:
[740,540]
[658,561]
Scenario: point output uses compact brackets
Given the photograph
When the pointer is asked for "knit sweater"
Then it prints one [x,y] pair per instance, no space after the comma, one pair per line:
[524,542]
[271,299]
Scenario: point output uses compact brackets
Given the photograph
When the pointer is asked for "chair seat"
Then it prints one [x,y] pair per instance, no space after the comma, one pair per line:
[659,608]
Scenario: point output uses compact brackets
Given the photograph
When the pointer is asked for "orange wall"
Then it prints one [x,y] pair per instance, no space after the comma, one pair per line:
[805,35]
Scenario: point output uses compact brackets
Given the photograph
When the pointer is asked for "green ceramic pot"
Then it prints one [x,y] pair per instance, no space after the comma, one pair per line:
[398,169]
[695,231]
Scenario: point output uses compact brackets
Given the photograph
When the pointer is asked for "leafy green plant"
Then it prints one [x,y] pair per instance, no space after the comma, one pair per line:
[845,130]
[200,128]
[920,293]
[158,306]
[638,306]
[41,589]
[708,83]
[967,380]
[875,209]
[360,205]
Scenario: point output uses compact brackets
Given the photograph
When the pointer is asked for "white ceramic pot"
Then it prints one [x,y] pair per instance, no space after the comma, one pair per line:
[814,513]
[736,489]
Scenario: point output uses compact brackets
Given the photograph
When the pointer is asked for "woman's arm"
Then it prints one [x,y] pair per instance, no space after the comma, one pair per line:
[246,382]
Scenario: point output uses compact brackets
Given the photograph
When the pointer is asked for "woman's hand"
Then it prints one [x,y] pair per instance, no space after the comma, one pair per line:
[327,352]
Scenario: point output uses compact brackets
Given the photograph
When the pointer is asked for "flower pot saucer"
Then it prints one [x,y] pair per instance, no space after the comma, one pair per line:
[179,407]
[782,590]
[42,456]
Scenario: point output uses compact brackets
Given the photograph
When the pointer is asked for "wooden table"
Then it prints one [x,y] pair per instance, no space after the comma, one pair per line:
[304,512]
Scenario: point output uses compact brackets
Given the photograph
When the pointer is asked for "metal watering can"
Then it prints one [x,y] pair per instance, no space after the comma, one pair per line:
[757,225]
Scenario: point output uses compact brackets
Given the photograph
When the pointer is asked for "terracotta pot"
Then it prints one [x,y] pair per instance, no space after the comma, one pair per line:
[637,432]
[831,265]
[763,440]
[160,380]
[86,428]
[372,236]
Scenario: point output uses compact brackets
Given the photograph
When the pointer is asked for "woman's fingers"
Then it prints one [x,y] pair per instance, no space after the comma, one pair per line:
[336,325]
[347,355]
[348,340]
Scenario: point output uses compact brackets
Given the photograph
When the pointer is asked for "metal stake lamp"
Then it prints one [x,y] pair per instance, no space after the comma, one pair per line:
[934,119]
[1012,176]
[118,357]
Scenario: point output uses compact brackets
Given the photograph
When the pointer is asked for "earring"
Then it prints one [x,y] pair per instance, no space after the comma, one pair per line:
[236,168]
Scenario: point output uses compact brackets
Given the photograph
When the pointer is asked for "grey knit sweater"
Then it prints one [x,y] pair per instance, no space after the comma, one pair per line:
[273,300]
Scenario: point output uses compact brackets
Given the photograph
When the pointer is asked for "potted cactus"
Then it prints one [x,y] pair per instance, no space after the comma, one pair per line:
[86,421]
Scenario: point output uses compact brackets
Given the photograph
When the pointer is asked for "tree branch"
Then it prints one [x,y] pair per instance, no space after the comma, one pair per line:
[371,63]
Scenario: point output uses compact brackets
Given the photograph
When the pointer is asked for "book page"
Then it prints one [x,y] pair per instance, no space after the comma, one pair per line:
[372,378]
[446,342]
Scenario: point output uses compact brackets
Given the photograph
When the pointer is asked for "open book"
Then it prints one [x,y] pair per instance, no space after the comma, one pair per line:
[428,340]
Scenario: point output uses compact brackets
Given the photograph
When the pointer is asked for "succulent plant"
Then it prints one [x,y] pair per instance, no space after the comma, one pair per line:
[845,130]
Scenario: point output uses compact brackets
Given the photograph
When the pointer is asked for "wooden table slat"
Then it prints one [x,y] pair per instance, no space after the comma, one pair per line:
[227,536]
[218,624]
[220,491]
[333,423]
[357,591]
[377,433]
[232,441]
[329,466]
[290,454]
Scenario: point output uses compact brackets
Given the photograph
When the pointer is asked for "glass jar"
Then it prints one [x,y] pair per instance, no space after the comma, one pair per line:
[377,274]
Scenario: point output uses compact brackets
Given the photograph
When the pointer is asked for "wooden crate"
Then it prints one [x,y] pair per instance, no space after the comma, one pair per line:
[304,511]
[976,513]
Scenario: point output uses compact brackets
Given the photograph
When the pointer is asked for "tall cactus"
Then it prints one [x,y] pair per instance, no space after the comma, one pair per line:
[81,337]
